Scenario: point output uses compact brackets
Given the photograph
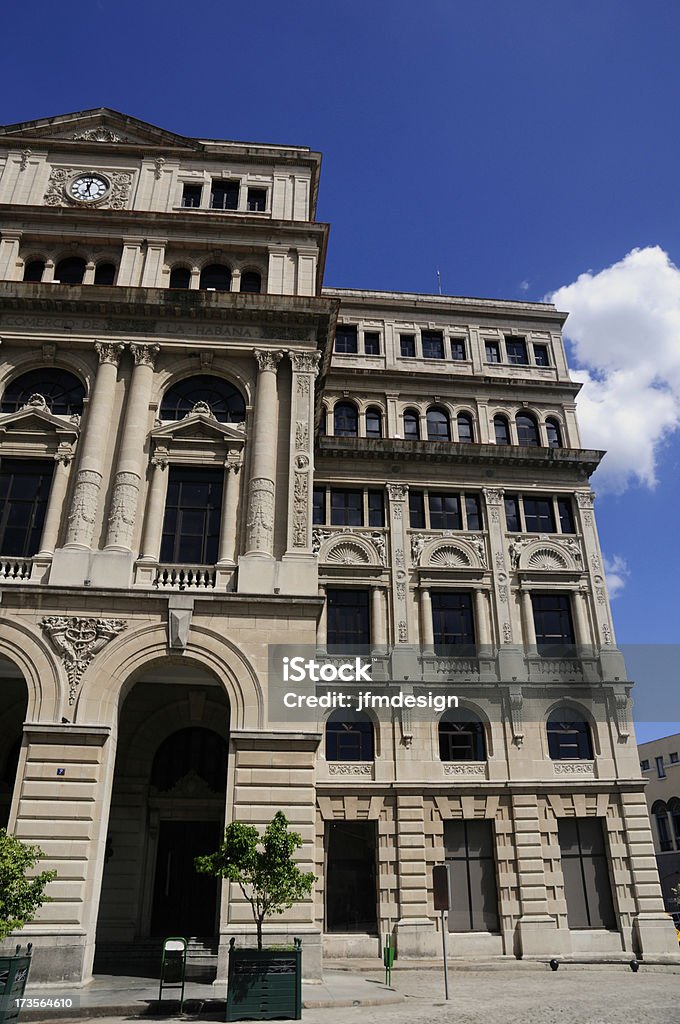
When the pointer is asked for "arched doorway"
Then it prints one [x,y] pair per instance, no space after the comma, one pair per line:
[167,807]
[13,704]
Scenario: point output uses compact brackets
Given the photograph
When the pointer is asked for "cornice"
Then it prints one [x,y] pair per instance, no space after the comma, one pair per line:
[432,382]
[395,301]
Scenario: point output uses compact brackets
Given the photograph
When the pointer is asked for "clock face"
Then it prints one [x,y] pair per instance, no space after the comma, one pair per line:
[88,188]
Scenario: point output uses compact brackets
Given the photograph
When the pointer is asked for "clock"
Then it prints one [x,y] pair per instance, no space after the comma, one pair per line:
[88,188]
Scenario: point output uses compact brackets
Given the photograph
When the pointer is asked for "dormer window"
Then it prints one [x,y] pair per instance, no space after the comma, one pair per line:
[224,194]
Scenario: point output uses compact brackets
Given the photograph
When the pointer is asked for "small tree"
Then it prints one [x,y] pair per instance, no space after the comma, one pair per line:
[675,894]
[20,897]
[263,867]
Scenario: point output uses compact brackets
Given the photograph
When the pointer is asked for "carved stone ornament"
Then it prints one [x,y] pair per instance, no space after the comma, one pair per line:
[493,495]
[305,362]
[448,556]
[463,769]
[36,402]
[201,409]
[123,510]
[397,492]
[144,355]
[301,435]
[83,509]
[268,359]
[116,198]
[572,768]
[158,165]
[507,633]
[300,507]
[585,499]
[23,162]
[108,352]
[261,515]
[78,640]
[97,135]
[417,544]
[516,702]
[546,558]
[361,768]
[621,715]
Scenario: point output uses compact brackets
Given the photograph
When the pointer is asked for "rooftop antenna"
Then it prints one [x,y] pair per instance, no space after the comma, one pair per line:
[439,280]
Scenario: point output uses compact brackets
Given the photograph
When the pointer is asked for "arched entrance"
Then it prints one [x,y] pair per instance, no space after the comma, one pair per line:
[13,704]
[167,807]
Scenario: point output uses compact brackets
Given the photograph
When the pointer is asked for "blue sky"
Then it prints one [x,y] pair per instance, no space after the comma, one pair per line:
[514,144]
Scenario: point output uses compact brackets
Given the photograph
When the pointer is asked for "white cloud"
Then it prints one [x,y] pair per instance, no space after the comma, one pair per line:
[624,323]
[524,285]
[617,573]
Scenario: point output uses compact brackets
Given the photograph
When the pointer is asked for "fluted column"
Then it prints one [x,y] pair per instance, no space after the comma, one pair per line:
[155,507]
[232,468]
[55,504]
[126,487]
[83,511]
[528,626]
[426,624]
[260,538]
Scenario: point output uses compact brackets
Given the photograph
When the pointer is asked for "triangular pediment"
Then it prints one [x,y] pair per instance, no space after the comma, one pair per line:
[101,126]
[33,420]
[198,426]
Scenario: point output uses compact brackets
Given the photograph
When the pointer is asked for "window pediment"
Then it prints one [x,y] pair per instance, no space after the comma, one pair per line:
[35,431]
[198,438]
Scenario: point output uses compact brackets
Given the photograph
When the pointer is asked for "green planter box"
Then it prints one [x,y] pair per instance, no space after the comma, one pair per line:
[13,977]
[264,984]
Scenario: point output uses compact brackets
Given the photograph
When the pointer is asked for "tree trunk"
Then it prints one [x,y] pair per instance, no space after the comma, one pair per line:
[259,933]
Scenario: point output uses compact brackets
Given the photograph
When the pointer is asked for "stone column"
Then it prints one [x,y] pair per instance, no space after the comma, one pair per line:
[126,487]
[55,504]
[305,368]
[322,627]
[260,523]
[594,566]
[153,262]
[131,261]
[528,622]
[482,619]
[83,511]
[9,254]
[426,623]
[88,276]
[378,623]
[581,628]
[232,469]
[155,507]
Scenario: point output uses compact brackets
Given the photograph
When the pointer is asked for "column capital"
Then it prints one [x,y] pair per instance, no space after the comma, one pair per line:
[234,461]
[144,355]
[160,457]
[585,499]
[493,495]
[305,362]
[268,359]
[108,352]
[64,453]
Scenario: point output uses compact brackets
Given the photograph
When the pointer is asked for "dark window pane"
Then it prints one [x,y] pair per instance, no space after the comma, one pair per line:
[70,271]
[452,622]
[411,425]
[464,423]
[225,402]
[62,391]
[444,511]
[224,195]
[349,737]
[517,351]
[493,352]
[566,515]
[347,507]
[345,420]
[191,196]
[376,508]
[587,886]
[192,516]
[348,618]
[251,282]
[416,508]
[216,278]
[473,512]
[319,506]
[407,343]
[351,879]
[372,343]
[527,430]
[461,740]
[501,430]
[433,344]
[457,348]
[513,522]
[373,422]
[346,339]
[180,277]
[257,200]
[438,425]
[105,274]
[471,862]
[541,355]
[568,736]
[538,515]
[553,624]
[554,434]
[25,489]
[33,271]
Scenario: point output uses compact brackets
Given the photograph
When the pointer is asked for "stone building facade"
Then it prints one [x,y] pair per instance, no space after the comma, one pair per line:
[206,453]
[660,766]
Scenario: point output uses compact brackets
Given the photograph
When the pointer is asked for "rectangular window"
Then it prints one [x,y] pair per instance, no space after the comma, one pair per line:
[541,355]
[407,345]
[193,507]
[444,511]
[348,619]
[513,522]
[553,624]
[538,515]
[257,200]
[674,757]
[585,869]
[457,348]
[416,510]
[351,877]
[24,492]
[319,506]
[371,343]
[469,847]
[433,344]
[644,766]
[493,352]
[566,516]
[376,508]
[516,349]
[452,622]
[191,196]
[346,339]
[347,507]
[660,770]
[473,512]
[224,195]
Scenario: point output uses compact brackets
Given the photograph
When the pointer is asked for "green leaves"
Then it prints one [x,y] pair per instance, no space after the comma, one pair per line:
[263,867]
[20,897]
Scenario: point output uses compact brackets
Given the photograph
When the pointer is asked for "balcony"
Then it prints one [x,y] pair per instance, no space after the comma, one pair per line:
[184,578]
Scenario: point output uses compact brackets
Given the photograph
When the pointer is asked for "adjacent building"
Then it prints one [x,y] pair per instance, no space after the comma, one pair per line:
[660,766]
[207,455]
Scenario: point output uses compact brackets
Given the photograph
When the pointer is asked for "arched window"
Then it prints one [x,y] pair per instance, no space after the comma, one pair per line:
[251,281]
[501,429]
[438,428]
[373,422]
[568,736]
[180,277]
[62,391]
[527,430]
[225,401]
[345,420]
[660,813]
[411,425]
[465,430]
[674,811]
[349,737]
[105,273]
[554,433]
[196,750]
[216,277]
[70,271]
[461,736]
[33,270]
